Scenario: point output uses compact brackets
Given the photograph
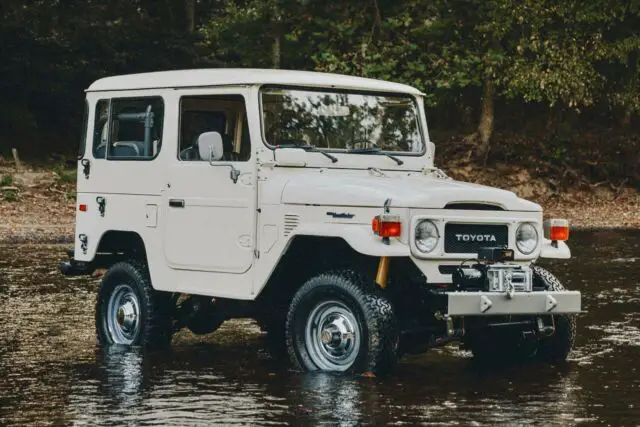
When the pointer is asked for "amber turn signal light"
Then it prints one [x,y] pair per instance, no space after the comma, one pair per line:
[556,229]
[386,225]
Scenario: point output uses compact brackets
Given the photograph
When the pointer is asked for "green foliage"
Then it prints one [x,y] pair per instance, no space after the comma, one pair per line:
[568,55]
[64,175]
[6,180]
[10,196]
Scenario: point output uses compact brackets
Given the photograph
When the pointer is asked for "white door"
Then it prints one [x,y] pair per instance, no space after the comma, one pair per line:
[209,218]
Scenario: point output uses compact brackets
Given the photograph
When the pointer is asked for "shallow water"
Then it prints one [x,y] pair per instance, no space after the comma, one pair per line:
[51,371]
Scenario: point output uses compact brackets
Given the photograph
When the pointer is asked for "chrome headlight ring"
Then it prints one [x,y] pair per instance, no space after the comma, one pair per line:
[527,238]
[426,236]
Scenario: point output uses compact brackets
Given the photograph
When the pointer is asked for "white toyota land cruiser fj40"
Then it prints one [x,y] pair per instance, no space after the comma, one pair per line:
[309,202]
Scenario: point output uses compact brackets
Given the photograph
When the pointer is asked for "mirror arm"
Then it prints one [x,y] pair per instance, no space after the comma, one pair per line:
[234,174]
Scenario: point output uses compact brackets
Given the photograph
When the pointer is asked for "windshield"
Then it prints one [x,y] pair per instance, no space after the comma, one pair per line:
[341,121]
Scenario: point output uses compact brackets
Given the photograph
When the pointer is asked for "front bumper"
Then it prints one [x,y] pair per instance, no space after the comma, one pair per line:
[500,303]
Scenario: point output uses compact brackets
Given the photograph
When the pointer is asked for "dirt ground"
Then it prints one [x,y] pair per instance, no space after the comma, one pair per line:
[38,204]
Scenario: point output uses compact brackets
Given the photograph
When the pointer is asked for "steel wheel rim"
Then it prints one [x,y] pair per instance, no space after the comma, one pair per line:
[123,315]
[332,336]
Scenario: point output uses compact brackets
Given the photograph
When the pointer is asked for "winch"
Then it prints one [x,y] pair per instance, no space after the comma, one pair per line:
[493,273]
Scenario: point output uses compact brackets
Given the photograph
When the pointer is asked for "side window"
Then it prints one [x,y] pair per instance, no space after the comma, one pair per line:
[128,129]
[136,128]
[85,125]
[211,120]
[101,129]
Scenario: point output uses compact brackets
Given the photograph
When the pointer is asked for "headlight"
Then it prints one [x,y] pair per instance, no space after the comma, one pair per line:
[526,238]
[426,236]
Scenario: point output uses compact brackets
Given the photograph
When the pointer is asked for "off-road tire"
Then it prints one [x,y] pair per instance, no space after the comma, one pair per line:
[551,349]
[557,347]
[373,312]
[155,307]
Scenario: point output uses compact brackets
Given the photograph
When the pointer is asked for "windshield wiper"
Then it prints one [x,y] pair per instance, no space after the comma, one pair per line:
[306,147]
[375,150]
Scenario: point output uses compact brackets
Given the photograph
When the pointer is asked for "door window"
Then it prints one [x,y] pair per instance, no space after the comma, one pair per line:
[224,114]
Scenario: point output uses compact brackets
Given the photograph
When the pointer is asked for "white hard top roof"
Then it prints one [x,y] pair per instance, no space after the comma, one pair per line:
[243,76]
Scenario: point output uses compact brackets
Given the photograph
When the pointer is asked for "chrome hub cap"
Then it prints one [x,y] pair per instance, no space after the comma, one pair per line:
[123,315]
[332,336]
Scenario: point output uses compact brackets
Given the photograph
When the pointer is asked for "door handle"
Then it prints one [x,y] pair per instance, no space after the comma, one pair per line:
[176,203]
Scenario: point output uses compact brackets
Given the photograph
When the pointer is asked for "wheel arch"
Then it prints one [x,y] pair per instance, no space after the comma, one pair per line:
[119,245]
[120,241]
[307,255]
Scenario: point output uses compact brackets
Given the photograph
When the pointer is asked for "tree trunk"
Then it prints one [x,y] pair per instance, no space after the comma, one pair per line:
[190,14]
[377,21]
[485,128]
[276,54]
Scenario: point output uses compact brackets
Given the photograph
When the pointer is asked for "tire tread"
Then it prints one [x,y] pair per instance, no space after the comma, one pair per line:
[157,322]
[382,342]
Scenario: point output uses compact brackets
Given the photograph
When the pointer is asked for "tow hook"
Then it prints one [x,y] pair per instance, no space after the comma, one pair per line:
[452,330]
[545,330]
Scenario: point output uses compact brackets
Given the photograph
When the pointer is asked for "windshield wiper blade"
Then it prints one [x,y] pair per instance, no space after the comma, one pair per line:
[307,147]
[365,150]
[375,150]
[395,159]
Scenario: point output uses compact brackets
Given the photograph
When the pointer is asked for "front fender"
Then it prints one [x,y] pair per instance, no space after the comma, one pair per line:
[559,250]
[359,237]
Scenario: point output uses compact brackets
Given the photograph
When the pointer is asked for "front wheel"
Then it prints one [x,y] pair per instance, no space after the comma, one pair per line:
[129,311]
[548,349]
[557,347]
[338,322]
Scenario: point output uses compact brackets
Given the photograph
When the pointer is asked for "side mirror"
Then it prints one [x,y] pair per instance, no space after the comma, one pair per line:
[210,146]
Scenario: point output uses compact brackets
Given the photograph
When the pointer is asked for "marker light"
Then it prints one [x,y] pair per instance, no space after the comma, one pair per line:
[386,225]
[82,207]
[556,229]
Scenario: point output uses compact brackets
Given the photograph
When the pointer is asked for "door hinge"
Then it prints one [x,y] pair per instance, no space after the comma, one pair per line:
[102,205]
[86,167]
[256,253]
[84,243]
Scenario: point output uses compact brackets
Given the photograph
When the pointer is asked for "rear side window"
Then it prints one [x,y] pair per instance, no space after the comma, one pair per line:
[85,125]
[101,129]
[128,129]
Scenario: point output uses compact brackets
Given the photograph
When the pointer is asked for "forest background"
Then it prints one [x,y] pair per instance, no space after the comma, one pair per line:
[538,96]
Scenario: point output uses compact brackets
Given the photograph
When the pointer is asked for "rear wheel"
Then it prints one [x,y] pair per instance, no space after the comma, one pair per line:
[129,311]
[338,322]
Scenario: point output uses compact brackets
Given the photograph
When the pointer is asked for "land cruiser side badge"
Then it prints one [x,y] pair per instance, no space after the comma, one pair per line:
[341,214]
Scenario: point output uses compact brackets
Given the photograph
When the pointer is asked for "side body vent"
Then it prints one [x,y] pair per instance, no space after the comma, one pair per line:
[291,222]
[473,207]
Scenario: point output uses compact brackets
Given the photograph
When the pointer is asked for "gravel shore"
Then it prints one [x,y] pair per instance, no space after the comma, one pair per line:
[44,209]
[18,226]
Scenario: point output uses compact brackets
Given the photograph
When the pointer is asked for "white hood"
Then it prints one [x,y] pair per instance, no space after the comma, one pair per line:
[408,190]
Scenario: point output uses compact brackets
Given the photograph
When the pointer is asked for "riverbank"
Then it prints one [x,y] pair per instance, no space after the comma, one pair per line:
[40,203]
